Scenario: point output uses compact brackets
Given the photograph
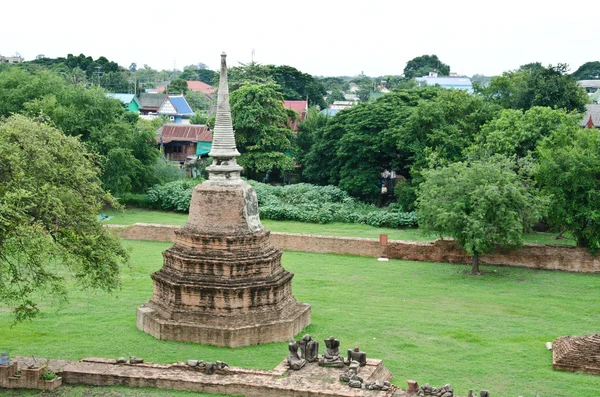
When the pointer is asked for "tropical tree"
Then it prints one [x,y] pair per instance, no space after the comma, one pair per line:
[569,171]
[335,95]
[482,205]
[263,136]
[587,71]
[50,196]
[536,85]
[421,66]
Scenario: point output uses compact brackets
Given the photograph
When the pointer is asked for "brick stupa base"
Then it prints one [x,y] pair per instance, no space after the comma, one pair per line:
[577,354]
[222,282]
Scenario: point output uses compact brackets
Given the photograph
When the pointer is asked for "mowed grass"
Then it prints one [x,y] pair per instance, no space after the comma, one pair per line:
[135,215]
[428,321]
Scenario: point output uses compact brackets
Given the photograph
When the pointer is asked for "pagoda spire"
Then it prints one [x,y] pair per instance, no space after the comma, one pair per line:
[223,151]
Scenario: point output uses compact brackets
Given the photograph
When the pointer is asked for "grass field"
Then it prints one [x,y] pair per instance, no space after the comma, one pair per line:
[131,216]
[427,321]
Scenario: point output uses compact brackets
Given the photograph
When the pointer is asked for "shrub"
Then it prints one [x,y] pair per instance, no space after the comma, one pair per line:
[173,196]
[134,200]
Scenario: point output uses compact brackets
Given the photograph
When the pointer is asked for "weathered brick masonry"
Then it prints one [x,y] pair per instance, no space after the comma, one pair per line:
[535,256]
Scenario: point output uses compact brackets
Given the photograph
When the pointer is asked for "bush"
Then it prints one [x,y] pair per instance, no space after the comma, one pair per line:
[173,196]
[302,202]
[134,200]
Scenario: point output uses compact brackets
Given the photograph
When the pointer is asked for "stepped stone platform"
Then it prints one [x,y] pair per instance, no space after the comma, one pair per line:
[310,381]
[577,354]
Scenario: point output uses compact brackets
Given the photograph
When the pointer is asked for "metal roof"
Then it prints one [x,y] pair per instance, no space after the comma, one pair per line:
[152,100]
[593,112]
[125,98]
[181,104]
[183,133]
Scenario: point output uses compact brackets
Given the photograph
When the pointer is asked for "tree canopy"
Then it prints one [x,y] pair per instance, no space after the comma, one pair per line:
[588,71]
[421,66]
[50,196]
[262,134]
[536,85]
[481,204]
[569,171]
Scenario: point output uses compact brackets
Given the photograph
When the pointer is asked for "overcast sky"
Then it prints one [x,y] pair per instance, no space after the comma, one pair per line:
[325,37]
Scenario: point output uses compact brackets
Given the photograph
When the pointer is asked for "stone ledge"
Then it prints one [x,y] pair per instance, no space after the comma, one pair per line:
[310,381]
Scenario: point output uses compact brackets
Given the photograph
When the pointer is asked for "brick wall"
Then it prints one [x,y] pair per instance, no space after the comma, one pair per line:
[536,256]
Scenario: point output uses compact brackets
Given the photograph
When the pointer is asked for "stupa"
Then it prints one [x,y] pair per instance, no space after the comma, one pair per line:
[222,282]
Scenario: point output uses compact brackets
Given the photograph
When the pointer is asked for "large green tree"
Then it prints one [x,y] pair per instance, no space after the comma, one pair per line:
[421,66]
[518,133]
[536,85]
[569,171]
[50,195]
[482,205]
[588,71]
[262,134]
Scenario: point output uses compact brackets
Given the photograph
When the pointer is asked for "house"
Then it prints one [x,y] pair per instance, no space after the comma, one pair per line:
[177,108]
[131,103]
[383,89]
[16,59]
[353,87]
[150,103]
[591,86]
[340,105]
[201,87]
[449,82]
[592,117]
[184,143]
[301,107]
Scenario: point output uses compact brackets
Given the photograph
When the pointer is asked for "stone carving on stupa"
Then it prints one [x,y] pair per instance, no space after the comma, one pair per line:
[222,282]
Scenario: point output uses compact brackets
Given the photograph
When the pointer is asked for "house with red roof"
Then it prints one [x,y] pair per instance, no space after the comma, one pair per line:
[201,87]
[184,142]
[301,107]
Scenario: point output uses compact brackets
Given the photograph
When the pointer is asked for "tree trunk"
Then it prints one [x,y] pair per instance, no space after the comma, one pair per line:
[475,263]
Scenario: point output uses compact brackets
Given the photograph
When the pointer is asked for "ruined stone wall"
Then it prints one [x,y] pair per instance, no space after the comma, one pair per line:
[535,256]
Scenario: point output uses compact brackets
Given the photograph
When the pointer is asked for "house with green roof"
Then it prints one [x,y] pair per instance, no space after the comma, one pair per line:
[131,103]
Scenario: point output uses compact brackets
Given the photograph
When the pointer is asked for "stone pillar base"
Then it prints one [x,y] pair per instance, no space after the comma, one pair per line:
[279,328]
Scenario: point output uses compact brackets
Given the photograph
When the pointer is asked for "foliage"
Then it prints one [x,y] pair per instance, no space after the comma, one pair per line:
[324,204]
[406,195]
[335,95]
[172,196]
[304,137]
[49,197]
[198,101]
[536,85]
[588,71]
[199,118]
[358,143]
[334,83]
[517,133]
[126,145]
[364,94]
[482,204]
[177,86]
[293,84]
[262,134]
[199,72]
[421,66]
[569,171]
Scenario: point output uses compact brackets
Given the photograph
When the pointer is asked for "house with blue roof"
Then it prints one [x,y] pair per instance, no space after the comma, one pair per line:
[177,108]
[131,103]
[449,82]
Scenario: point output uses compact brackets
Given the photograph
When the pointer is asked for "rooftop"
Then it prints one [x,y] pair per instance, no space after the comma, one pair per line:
[183,133]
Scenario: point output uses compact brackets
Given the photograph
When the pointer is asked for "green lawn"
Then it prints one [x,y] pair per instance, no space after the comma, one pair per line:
[427,321]
[131,216]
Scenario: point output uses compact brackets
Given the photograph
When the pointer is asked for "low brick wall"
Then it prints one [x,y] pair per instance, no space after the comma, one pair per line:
[535,256]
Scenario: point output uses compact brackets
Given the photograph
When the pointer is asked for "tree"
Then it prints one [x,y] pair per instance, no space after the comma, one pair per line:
[569,171]
[518,133]
[50,196]
[335,95]
[262,135]
[198,101]
[588,71]
[364,94]
[482,205]
[177,86]
[536,85]
[421,66]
